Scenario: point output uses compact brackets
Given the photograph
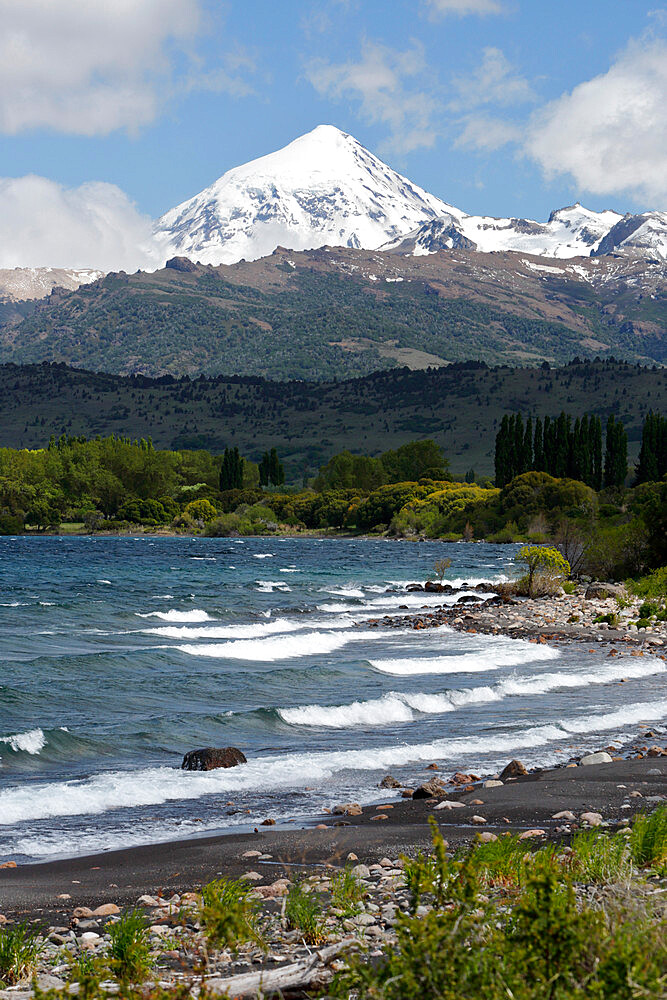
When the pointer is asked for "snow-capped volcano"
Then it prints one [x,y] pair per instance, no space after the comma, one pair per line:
[324,188]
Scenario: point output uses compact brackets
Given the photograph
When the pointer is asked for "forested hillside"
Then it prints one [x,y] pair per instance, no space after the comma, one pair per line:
[460,407]
[339,313]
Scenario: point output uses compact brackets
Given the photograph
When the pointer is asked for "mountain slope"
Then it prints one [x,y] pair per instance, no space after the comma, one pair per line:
[336,313]
[322,189]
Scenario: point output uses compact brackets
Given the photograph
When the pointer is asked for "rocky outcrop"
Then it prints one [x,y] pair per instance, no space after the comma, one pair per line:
[209,758]
[181,264]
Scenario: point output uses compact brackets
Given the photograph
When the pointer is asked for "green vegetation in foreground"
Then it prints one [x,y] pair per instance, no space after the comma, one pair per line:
[498,920]
[460,407]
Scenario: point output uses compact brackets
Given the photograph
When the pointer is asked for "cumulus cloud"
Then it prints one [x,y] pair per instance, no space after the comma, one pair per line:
[385,82]
[95,225]
[461,8]
[88,68]
[609,132]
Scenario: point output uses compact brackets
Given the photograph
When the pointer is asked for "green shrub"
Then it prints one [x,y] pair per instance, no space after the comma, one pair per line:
[642,623]
[648,610]
[19,950]
[229,915]
[129,949]
[610,619]
[303,911]
[569,586]
[653,585]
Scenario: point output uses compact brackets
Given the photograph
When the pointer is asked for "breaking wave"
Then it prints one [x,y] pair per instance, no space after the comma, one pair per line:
[177,616]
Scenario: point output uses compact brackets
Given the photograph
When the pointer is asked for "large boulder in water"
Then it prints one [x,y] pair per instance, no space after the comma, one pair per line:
[209,758]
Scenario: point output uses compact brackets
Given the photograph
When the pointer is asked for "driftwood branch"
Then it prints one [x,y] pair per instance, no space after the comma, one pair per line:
[311,971]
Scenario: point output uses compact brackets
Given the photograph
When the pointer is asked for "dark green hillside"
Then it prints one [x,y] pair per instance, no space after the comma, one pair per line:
[337,314]
[460,407]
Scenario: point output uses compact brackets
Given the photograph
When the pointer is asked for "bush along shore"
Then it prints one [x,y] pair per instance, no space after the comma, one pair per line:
[571,908]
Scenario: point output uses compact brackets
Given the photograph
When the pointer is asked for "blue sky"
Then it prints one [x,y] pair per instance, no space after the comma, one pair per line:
[501,107]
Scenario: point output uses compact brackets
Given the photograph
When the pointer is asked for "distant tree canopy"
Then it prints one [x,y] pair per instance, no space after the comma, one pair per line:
[411,462]
[231,470]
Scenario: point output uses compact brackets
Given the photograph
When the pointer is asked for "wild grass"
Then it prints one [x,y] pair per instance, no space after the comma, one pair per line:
[303,912]
[648,840]
[19,951]
[129,949]
[229,914]
[347,892]
[598,857]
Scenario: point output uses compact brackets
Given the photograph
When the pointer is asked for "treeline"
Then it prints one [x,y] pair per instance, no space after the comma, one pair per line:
[573,447]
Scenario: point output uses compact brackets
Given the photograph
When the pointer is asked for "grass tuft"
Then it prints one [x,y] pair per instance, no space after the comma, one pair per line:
[19,950]
[129,950]
[229,914]
[303,911]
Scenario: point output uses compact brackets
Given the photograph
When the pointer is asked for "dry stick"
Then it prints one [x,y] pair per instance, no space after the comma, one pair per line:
[310,972]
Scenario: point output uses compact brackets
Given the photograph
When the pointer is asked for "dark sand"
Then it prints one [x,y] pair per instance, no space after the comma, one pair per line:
[31,891]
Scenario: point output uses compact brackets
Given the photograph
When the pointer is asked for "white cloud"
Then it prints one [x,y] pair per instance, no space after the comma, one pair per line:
[95,225]
[88,67]
[494,81]
[485,134]
[609,132]
[461,8]
[384,81]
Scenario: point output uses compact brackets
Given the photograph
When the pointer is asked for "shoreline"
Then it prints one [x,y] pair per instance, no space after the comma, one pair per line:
[50,890]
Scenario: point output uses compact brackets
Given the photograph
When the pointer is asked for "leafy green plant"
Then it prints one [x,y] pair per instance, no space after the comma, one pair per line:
[652,585]
[648,839]
[129,949]
[610,619]
[648,610]
[229,914]
[303,912]
[19,950]
[508,861]
[642,623]
[569,586]
[347,892]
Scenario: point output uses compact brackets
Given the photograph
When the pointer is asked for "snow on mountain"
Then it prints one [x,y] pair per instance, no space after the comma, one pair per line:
[570,232]
[21,283]
[644,234]
[322,189]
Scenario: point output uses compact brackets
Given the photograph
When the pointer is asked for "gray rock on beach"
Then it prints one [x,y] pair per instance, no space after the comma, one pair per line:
[601,757]
[208,758]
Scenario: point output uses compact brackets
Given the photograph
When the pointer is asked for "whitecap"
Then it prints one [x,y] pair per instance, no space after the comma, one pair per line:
[282,647]
[468,663]
[177,616]
[31,741]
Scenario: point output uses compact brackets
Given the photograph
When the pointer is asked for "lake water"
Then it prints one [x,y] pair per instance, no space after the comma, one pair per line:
[118,655]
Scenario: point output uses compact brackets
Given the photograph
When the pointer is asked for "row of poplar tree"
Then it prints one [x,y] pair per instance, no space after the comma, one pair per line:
[271,469]
[573,448]
[563,447]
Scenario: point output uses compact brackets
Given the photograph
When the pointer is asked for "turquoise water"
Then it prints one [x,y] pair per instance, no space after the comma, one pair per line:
[117,655]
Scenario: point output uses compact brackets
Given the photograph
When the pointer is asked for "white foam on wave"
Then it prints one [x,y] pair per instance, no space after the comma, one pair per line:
[262,555]
[32,741]
[345,591]
[284,647]
[494,658]
[268,586]
[254,630]
[399,706]
[378,604]
[174,615]
[152,786]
